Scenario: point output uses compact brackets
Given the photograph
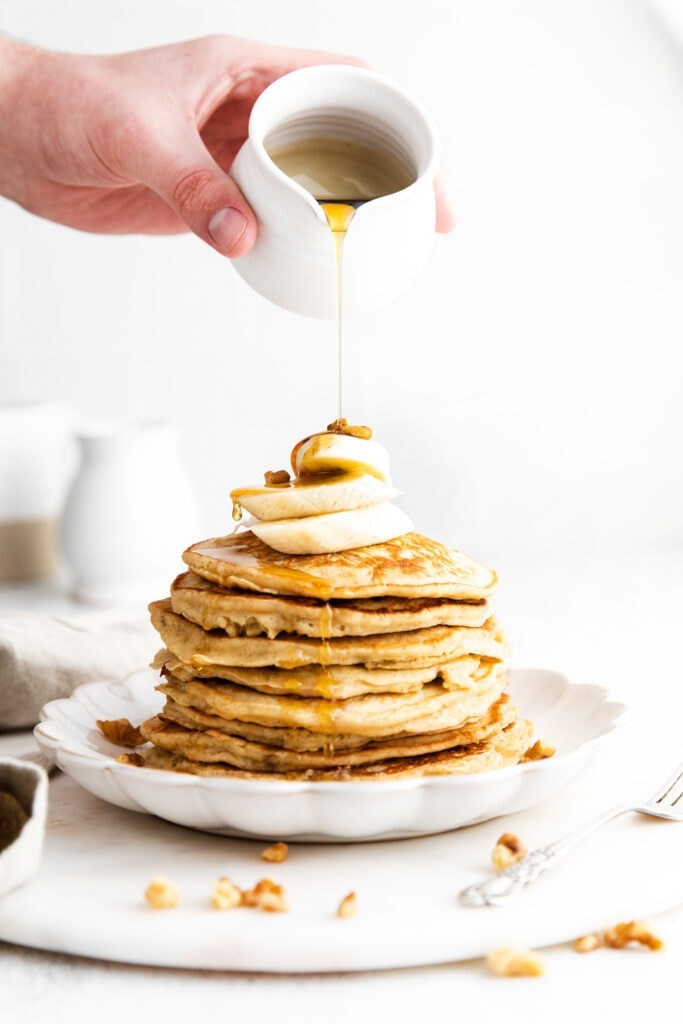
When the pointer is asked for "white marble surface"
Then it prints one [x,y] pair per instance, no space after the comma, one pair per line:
[615,623]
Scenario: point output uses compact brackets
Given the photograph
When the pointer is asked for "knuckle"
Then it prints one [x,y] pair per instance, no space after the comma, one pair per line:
[190,193]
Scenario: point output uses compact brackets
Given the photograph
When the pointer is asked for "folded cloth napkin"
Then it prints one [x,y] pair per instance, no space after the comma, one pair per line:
[43,657]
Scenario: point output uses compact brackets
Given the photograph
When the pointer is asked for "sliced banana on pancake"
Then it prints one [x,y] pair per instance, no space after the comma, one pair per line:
[339,498]
[304,497]
[335,531]
[332,452]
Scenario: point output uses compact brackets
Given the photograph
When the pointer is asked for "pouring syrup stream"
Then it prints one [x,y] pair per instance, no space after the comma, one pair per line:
[339,216]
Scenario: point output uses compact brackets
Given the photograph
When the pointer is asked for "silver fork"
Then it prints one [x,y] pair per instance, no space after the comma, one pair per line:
[508,883]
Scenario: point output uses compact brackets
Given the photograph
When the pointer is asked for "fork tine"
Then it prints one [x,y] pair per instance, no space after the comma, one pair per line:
[672,790]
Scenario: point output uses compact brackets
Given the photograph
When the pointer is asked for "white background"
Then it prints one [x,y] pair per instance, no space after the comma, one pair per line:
[528,387]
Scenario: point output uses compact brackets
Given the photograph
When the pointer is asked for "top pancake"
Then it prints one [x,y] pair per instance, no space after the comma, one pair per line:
[408,566]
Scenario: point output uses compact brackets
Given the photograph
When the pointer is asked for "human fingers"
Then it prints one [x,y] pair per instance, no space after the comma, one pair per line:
[187,162]
[445,215]
[178,167]
[257,64]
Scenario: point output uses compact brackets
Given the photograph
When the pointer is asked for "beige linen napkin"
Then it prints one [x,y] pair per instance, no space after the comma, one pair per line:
[43,657]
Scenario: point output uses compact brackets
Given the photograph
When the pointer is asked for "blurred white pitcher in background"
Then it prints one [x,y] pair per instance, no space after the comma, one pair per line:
[130,513]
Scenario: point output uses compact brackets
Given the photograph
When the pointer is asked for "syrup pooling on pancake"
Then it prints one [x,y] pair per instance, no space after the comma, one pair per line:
[410,566]
[339,498]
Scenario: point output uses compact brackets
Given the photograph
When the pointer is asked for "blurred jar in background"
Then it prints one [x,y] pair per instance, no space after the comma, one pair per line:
[37,463]
[130,513]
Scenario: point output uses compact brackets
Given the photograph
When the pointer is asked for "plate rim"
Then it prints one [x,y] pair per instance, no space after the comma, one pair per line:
[59,746]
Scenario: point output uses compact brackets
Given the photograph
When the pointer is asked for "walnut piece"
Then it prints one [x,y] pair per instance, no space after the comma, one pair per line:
[274,477]
[628,933]
[343,426]
[137,760]
[121,732]
[515,963]
[266,895]
[587,943]
[539,751]
[507,851]
[276,853]
[348,906]
[225,895]
[162,893]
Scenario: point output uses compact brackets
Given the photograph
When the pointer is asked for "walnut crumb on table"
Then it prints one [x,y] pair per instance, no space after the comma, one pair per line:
[275,854]
[266,895]
[508,850]
[515,963]
[226,895]
[162,893]
[629,933]
[348,906]
[622,935]
[587,943]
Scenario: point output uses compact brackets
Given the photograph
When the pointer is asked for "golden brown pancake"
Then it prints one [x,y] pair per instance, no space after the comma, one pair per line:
[507,747]
[334,681]
[409,566]
[379,662]
[417,648]
[431,708]
[207,738]
[253,613]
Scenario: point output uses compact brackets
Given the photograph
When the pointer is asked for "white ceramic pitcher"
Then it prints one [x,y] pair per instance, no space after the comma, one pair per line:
[389,239]
[130,513]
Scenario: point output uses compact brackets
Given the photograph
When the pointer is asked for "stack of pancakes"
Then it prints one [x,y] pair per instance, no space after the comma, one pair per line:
[374,662]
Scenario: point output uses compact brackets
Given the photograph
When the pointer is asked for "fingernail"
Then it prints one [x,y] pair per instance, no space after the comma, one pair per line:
[226,228]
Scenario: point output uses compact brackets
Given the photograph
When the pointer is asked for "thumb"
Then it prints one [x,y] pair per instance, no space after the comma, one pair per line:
[203,195]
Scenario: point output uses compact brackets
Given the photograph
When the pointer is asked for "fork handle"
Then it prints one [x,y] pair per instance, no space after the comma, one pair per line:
[508,883]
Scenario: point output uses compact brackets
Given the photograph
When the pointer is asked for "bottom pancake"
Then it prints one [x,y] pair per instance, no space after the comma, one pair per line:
[205,738]
[507,747]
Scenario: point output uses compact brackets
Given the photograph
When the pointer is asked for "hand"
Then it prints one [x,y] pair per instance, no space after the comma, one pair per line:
[141,142]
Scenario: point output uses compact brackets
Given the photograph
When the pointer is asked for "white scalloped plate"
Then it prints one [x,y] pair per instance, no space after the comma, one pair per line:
[572,717]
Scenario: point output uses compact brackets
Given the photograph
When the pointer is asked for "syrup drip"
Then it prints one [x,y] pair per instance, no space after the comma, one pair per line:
[341,173]
[339,216]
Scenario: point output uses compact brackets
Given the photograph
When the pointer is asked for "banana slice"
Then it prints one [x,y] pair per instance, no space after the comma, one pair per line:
[334,531]
[304,497]
[330,452]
